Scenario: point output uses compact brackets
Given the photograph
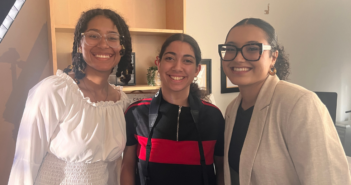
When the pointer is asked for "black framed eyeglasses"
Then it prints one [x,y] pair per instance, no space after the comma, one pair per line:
[250,52]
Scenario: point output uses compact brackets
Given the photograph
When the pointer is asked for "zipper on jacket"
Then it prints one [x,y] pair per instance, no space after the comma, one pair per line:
[180,109]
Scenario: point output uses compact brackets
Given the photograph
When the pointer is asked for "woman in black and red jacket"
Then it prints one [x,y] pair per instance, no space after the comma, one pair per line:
[174,137]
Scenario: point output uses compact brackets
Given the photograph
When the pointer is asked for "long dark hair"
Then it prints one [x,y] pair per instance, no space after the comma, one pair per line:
[194,88]
[124,64]
[282,64]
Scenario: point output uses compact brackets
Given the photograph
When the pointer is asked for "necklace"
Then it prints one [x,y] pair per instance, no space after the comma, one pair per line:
[92,93]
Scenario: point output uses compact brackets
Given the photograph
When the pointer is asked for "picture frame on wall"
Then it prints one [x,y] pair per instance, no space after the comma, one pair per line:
[204,76]
[113,79]
[226,85]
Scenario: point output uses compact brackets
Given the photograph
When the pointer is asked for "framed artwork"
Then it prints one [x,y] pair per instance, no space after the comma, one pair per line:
[204,76]
[116,80]
[226,85]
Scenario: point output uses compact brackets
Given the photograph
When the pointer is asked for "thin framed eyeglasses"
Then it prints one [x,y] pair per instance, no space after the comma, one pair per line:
[250,52]
[93,38]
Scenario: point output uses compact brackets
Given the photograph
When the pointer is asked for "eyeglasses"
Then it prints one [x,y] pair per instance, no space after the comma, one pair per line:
[92,38]
[250,52]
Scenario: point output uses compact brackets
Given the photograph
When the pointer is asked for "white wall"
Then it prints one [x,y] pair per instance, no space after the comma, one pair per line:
[24,61]
[315,33]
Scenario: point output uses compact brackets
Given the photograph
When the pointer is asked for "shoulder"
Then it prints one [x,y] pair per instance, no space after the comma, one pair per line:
[52,85]
[49,92]
[143,103]
[289,92]
[211,109]
[289,98]
[124,100]
[208,105]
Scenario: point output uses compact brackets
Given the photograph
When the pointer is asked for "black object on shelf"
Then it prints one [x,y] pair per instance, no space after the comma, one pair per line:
[330,101]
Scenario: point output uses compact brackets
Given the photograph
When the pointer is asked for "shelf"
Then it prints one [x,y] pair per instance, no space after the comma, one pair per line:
[136,31]
[150,23]
[146,31]
[140,88]
[66,29]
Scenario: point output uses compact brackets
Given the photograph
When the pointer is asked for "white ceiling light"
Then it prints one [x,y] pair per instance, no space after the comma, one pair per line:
[5,26]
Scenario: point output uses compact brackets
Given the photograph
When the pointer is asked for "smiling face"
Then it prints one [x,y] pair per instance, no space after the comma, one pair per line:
[101,57]
[177,67]
[240,71]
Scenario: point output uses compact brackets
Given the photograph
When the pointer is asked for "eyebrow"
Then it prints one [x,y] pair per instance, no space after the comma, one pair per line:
[249,42]
[170,52]
[231,43]
[252,42]
[186,55]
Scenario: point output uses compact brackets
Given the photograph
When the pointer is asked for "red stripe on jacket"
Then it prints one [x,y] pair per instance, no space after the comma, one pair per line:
[176,152]
[209,104]
[137,104]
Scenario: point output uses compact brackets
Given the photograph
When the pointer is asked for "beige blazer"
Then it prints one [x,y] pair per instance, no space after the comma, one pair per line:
[291,140]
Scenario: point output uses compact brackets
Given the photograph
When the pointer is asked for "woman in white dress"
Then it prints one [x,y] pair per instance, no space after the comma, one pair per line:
[73,127]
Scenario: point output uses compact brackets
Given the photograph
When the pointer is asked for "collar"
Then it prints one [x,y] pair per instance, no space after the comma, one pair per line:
[194,103]
[265,95]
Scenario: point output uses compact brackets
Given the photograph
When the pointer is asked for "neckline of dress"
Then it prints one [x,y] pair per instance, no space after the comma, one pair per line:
[77,90]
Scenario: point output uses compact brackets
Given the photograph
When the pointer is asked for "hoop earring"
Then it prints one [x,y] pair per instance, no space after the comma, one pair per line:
[195,79]
[122,51]
[157,60]
[79,50]
[272,71]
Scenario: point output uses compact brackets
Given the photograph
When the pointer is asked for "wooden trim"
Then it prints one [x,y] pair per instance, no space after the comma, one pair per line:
[52,36]
[175,14]
[140,88]
[66,29]
[184,16]
[143,31]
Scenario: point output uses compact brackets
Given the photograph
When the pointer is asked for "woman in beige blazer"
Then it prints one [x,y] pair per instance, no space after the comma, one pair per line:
[283,133]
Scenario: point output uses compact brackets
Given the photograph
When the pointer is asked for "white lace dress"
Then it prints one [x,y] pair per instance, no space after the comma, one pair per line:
[64,138]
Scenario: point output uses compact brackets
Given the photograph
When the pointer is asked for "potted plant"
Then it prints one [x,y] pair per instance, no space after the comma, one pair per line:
[152,78]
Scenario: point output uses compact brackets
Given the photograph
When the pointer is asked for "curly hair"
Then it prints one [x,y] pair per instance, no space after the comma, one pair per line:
[194,88]
[282,63]
[78,63]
